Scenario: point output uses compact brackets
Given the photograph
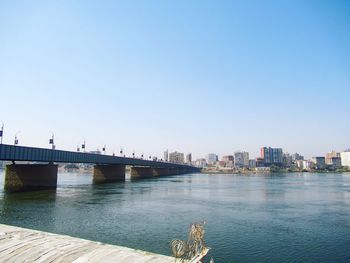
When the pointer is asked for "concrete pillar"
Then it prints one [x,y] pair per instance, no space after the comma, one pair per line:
[30,177]
[141,172]
[108,173]
[174,171]
[149,172]
[160,171]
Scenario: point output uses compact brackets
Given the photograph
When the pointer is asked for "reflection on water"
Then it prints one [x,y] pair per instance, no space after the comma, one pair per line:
[276,218]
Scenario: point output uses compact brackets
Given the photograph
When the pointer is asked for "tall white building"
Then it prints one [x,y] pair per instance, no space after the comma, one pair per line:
[166,156]
[176,157]
[189,158]
[345,158]
[201,163]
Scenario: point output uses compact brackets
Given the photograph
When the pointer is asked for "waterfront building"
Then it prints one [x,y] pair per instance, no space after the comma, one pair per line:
[211,158]
[176,157]
[305,164]
[260,162]
[336,162]
[345,158]
[299,164]
[241,159]
[189,158]
[252,163]
[229,160]
[319,161]
[287,160]
[330,155]
[296,157]
[166,156]
[272,156]
[201,163]
[221,164]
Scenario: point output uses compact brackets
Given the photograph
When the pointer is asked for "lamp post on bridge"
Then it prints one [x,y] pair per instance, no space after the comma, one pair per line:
[83,146]
[2,132]
[52,141]
[16,139]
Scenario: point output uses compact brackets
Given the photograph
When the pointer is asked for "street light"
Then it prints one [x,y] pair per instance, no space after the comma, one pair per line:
[2,132]
[83,145]
[52,140]
[16,139]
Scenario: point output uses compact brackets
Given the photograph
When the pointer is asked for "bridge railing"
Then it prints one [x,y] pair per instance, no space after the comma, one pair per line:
[33,154]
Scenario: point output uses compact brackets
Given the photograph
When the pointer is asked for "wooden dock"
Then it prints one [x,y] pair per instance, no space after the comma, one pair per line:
[27,245]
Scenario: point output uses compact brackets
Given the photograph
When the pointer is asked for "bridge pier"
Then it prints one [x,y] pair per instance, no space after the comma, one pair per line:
[30,177]
[149,172]
[160,171]
[174,171]
[107,173]
[141,172]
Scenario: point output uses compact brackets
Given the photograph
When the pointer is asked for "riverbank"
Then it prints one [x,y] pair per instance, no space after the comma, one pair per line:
[269,170]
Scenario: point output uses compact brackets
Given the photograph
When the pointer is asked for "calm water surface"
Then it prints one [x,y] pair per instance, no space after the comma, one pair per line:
[266,218]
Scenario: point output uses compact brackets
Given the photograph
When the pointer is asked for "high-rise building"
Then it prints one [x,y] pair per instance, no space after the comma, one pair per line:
[287,160]
[241,159]
[319,161]
[260,162]
[166,156]
[176,157]
[252,163]
[336,162]
[211,158]
[330,155]
[272,156]
[296,157]
[345,158]
[189,158]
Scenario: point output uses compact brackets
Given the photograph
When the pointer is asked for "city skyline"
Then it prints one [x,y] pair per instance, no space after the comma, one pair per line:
[191,77]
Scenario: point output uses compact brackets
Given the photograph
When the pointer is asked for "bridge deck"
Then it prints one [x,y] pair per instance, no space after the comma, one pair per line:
[26,245]
[33,154]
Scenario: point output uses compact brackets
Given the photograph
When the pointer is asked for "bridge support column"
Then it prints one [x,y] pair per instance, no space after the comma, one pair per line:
[109,173]
[141,172]
[30,177]
[174,171]
[160,171]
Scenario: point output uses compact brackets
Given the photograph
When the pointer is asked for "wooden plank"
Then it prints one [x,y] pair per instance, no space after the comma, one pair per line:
[26,245]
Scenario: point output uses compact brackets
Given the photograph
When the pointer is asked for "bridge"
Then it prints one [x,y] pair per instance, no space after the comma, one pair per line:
[41,171]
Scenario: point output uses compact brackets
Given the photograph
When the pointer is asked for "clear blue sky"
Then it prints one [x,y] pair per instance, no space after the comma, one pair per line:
[192,76]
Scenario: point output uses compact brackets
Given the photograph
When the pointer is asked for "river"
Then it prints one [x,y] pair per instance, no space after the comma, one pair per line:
[298,217]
